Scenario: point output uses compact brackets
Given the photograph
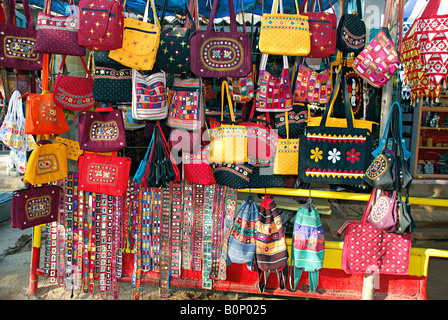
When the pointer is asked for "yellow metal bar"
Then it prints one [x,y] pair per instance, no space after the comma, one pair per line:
[37,235]
[340,195]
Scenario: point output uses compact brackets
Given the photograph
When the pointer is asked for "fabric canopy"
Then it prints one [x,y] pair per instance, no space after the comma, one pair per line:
[138,6]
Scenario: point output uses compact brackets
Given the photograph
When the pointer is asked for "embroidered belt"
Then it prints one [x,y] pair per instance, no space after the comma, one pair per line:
[61,233]
[207,240]
[187,225]
[78,234]
[116,252]
[197,232]
[69,234]
[146,229]
[87,206]
[137,252]
[157,214]
[165,243]
[217,230]
[176,219]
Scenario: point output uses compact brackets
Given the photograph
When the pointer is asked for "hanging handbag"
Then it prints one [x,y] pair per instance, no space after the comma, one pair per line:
[103,174]
[17,49]
[186,110]
[197,169]
[384,212]
[35,206]
[351,32]
[74,93]
[228,142]
[273,93]
[232,175]
[113,81]
[370,250]
[242,89]
[221,54]
[407,223]
[264,177]
[47,163]
[379,60]
[149,96]
[100,25]
[72,148]
[284,34]
[287,156]
[140,42]
[337,151]
[101,130]
[313,86]
[57,34]
[323,30]
[297,119]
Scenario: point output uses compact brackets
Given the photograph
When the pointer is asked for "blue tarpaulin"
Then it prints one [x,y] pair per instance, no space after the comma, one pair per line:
[138,6]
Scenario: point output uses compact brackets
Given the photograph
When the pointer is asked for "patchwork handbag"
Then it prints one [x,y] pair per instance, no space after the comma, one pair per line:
[103,174]
[101,130]
[284,34]
[313,86]
[47,163]
[35,206]
[384,212]
[379,60]
[149,96]
[242,89]
[228,142]
[273,93]
[74,93]
[100,25]
[57,34]
[370,250]
[308,246]
[351,32]
[323,30]
[271,252]
[197,169]
[113,81]
[140,41]
[17,49]
[297,119]
[221,54]
[233,175]
[186,110]
[338,151]
[287,156]
[241,243]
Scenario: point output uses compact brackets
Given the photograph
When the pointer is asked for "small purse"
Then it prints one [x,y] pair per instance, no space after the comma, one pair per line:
[101,130]
[74,93]
[287,156]
[351,32]
[47,163]
[35,206]
[384,212]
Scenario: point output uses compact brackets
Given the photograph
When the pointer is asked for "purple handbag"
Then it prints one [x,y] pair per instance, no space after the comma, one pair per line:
[34,206]
[221,54]
[17,44]
[384,213]
[101,130]
[57,34]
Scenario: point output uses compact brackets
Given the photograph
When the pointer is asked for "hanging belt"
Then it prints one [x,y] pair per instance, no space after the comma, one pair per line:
[87,207]
[218,214]
[69,234]
[197,235]
[165,235]
[61,233]
[176,219]
[207,241]
[187,226]
[157,216]
[146,229]
[137,248]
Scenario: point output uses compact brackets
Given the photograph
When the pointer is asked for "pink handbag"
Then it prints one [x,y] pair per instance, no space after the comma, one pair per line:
[370,250]
[384,213]
[379,60]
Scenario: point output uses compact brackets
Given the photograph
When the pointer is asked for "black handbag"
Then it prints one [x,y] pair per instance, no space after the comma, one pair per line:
[351,33]
[233,175]
[296,119]
[264,177]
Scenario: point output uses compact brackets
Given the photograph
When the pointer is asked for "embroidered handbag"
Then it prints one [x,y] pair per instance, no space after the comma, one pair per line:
[384,212]
[284,34]
[271,252]
[57,34]
[221,54]
[113,81]
[241,243]
[323,30]
[197,169]
[35,206]
[379,61]
[228,142]
[149,96]
[242,89]
[351,32]
[101,130]
[287,156]
[313,86]
[73,150]
[297,119]
[233,175]
[264,177]
[17,49]
[338,151]
[103,174]
[308,246]
[47,163]
[407,223]
[369,250]
[100,25]
[273,93]
[186,110]
[74,93]
[140,42]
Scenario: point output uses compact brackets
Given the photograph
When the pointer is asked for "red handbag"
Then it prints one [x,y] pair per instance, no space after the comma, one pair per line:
[101,24]
[74,93]
[370,250]
[103,174]
[197,169]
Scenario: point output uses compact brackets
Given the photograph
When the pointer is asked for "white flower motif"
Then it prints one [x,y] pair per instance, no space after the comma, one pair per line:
[334,155]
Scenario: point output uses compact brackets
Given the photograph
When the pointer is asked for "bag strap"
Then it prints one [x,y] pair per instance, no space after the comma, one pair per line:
[83,64]
[12,14]
[232,17]
[276,4]
[358,8]
[225,90]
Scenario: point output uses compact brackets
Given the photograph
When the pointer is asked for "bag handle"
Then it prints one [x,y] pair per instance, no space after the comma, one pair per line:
[233,26]
[26,9]
[83,64]
[358,8]
[276,4]
[225,90]
[313,5]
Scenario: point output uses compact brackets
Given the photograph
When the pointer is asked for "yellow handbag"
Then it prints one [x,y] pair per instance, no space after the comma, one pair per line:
[284,34]
[47,163]
[287,154]
[140,42]
[228,142]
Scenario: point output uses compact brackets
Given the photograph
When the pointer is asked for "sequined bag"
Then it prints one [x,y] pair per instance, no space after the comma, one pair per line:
[313,86]
[351,32]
